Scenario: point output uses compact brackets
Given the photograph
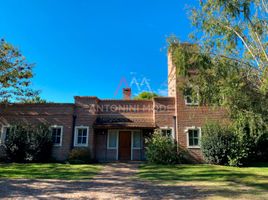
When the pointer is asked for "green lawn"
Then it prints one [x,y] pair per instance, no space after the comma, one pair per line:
[222,181]
[49,171]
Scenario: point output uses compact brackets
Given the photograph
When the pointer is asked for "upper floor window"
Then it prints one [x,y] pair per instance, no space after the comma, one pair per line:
[4,134]
[167,131]
[57,132]
[193,137]
[81,136]
[189,98]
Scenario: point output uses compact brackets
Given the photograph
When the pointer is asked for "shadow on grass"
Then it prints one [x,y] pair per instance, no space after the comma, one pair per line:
[49,171]
[251,177]
[117,183]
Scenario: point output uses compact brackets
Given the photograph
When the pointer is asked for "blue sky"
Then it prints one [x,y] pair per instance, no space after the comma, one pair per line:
[86,47]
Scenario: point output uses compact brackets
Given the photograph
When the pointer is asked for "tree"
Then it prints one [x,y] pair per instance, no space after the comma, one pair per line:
[230,62]
[161,149]
[15,75]
[220,81]
[238,30]
[145,95]
[28,143]
[35,99]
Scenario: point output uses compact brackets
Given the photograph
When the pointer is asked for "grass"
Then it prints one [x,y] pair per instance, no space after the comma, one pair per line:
[48,171]
[222,181]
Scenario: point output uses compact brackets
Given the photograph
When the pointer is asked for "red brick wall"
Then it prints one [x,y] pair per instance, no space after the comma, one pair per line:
[164,110]
[86,116]
[54,114]
[194,116]
[189,116]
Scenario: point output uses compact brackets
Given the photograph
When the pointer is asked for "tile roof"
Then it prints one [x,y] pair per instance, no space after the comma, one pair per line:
[124,122]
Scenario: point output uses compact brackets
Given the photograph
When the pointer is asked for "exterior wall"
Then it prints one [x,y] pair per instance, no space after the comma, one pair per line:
[53,114]
[137,154]
[194,116]
[86,116]
[168,112]
[172,86]
[187,115]
[101,145]
[139,111]
[164,111]
[103,154]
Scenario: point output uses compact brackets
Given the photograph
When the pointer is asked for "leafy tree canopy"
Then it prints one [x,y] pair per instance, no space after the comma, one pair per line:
[15,75]
[145,95]
[228,64]
[235,29]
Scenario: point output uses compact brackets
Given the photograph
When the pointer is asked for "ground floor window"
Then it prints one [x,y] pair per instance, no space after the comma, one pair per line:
[193,137]
[112,139]
[81,136]
[167,132]
[136,140]
[57,132]
[4,134]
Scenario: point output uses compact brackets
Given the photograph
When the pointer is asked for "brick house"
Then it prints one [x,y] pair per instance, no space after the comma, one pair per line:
[116,129]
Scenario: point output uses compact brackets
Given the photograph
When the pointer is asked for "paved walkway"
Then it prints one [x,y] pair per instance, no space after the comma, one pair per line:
[116,181]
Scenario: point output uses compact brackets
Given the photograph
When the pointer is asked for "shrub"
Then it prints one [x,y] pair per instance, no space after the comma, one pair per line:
[80,156]
[262,148]
[27,143]
[218,144]
[40,148]
[161,149]
[16,143]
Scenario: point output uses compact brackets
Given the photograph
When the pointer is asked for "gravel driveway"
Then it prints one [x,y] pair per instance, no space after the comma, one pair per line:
[115,181]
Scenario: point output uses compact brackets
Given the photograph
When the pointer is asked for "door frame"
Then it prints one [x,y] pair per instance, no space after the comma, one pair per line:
[117,146]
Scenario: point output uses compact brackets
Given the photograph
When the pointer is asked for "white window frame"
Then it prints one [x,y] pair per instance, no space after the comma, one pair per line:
[61,134]
[117,139]
[117,148]
[187,137]
[76,134]
[168,128]
[3,134]
[132,141]
[193,103]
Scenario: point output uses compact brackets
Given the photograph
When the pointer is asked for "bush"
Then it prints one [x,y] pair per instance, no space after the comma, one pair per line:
[262,148]
[161,149]
[27,143]
[16,143]
[80,156]
[218,144]
[40,148]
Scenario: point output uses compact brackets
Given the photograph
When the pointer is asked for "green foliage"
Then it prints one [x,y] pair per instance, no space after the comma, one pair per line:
[262,148]
[48,171]
[221,181]
[229,84]
[27,143]
[15,75]
[80,156]
[187,57]
[16,143]
[217,143]
[35,99]
[161,149]
[146,95]
[236,30]
[40,143]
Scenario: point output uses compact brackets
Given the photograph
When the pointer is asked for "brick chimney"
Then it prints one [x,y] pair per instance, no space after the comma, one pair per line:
[127,93]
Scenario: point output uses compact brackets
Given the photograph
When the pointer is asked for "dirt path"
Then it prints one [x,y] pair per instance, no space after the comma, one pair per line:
[116,181]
